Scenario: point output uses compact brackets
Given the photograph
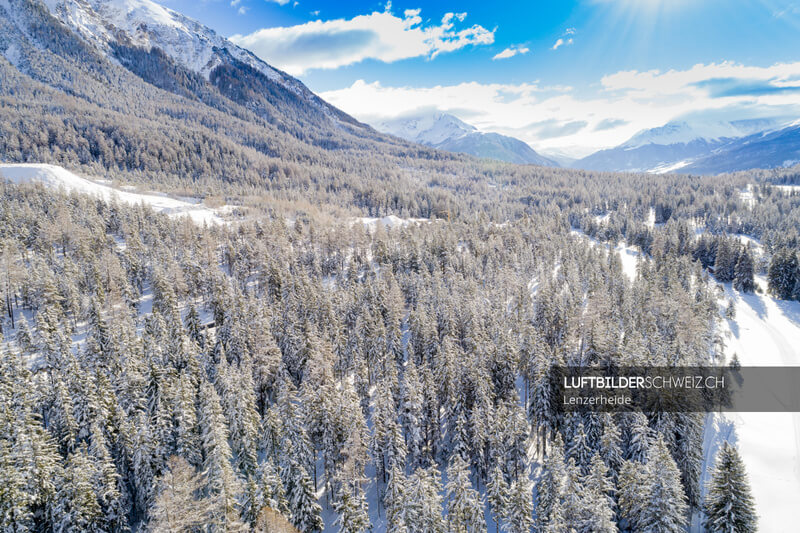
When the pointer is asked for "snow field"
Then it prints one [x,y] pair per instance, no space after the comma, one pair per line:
[57,177]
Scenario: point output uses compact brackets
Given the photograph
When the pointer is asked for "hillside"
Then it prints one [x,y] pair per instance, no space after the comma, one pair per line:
[148,118]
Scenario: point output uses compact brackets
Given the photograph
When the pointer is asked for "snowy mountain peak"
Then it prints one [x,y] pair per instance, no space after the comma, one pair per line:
[428,128]
[684,132]
[446,132]
[146,24]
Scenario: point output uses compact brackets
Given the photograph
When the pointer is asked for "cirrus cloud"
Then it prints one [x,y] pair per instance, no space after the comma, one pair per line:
[380,35]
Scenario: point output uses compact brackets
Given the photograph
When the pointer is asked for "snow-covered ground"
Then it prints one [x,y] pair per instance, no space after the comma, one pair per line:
[628,254]
[765,332]
[57,177]
[390,221]
[787,189]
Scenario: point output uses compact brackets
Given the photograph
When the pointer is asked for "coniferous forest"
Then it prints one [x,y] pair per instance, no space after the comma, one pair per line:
[298,369]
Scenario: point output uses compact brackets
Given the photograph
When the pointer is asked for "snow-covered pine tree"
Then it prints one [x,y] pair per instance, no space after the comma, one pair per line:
[519,511]
[540,409]
[729,505]
[424,503]
[638,442]
[725,263]
[574,497]
[411,411]
[76,507]
[580,449]
[497,491]
[783,273]
[551,484]
[222,483]
[464,503]
[666,509]
[633,493]
[306,512]
[744,272]
[107,482]
[610,447]
[689,453]
[599,500]
[352,512]
[395,501]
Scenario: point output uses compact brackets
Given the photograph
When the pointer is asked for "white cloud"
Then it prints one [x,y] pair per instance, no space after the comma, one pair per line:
[380,35]
[511,51]
[280,2]
[561,42]
[559,118]
[564,40]
[243,10]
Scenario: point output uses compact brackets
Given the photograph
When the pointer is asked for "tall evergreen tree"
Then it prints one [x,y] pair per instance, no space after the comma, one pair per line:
[666,509]
[729,505]
[464,505]
[744,272]
[783,273]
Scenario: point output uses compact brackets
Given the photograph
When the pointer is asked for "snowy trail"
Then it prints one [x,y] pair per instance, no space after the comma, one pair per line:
[765,332]
[57,177]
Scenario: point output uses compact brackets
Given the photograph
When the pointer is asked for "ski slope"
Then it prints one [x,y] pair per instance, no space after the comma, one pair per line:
[765,332]
[59,178]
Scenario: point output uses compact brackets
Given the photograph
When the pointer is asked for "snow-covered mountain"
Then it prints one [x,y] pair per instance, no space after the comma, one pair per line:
[447,132]
[768,149]
[112,26]
[429,128]
[676,145]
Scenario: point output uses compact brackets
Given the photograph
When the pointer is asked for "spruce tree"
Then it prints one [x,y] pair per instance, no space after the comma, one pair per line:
[464,505]
[729,505]
[783,273]
[497,491]
[551,484]
[519,511]
[744,272]
[666,509]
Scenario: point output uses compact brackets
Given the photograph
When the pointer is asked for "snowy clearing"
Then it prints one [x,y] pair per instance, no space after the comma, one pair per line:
[57,177]
[389,221]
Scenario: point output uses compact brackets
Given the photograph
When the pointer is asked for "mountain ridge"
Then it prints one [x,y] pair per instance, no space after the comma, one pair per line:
[682,146]
[447,132]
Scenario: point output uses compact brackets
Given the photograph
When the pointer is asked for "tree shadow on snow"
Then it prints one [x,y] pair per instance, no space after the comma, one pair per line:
[755,303]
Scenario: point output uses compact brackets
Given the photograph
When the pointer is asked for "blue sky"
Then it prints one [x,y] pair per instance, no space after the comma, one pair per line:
[565,76]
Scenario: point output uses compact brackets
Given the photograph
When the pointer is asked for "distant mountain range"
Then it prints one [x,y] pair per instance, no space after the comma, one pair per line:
[703,148]
[447,132]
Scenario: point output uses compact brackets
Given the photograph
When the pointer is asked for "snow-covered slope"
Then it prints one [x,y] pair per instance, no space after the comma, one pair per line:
[59,178]
[765,332]
[143,24]
[146,24]
[447,132]
[767,149]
